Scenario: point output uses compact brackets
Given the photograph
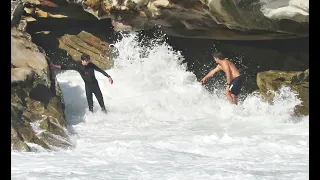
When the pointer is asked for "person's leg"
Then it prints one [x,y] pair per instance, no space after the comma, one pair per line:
[89,97]
[228,94]
[234,99]
[98,94]
[235,88]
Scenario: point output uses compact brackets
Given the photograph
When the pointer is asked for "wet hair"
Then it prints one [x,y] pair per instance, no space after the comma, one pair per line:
[85,57]
[219,55]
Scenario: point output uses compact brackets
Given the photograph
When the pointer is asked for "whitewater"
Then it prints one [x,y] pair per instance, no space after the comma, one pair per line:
[163,124]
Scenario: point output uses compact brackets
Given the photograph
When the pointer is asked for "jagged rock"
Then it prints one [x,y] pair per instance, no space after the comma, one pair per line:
[297,81]
[87,43]
[24,11]
[36,97]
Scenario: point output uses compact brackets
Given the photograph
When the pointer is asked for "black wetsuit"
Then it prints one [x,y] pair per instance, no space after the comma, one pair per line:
[91,83]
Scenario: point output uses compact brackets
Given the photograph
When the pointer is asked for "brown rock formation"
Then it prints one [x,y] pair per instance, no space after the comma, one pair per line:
[36,99]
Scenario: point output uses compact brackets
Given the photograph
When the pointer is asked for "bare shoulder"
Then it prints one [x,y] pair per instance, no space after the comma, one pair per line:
[219,66]
[224,64]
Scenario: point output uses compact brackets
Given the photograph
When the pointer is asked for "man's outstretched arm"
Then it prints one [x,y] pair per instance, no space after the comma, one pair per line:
[70,66]
[102,72]
[211,73]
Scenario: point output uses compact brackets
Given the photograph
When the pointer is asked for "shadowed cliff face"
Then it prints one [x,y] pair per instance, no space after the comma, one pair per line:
[208,19]
[250,57]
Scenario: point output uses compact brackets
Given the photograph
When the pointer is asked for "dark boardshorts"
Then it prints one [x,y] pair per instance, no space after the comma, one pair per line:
[236,85]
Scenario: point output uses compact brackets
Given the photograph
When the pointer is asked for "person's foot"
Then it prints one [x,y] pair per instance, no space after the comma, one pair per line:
[104,110]
[91,109]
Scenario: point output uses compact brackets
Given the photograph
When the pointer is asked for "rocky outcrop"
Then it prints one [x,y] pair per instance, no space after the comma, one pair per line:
[87,43]
[217,19]
[271,81]
[28,11]
[37,107]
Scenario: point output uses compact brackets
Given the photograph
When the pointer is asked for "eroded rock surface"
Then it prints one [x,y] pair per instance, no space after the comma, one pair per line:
[37,106]
[298,81]
[214,19]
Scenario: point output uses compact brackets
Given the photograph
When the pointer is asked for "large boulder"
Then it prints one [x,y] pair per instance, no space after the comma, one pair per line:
[37,107]
[87,43]
[271,81]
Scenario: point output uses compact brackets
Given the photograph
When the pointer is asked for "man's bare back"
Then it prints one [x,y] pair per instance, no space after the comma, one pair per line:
[231,67]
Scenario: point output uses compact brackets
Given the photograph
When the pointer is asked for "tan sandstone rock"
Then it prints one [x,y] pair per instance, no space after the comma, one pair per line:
[87,43]
[297,81]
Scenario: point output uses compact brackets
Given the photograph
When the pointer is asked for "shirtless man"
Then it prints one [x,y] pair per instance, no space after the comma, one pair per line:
[234,78]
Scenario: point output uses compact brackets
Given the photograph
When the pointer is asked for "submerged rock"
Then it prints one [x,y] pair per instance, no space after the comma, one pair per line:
[36,98]
[270,81]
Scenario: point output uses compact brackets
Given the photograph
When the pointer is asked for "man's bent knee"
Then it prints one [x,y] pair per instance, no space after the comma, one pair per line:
[234,99]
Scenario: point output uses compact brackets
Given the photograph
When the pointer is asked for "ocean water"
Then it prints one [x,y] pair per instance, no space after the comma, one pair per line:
[163,124]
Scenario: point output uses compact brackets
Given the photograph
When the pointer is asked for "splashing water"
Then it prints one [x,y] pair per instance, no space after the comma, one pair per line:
[163,124]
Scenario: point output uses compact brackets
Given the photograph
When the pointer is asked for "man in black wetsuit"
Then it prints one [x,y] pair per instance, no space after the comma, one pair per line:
[86,70]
